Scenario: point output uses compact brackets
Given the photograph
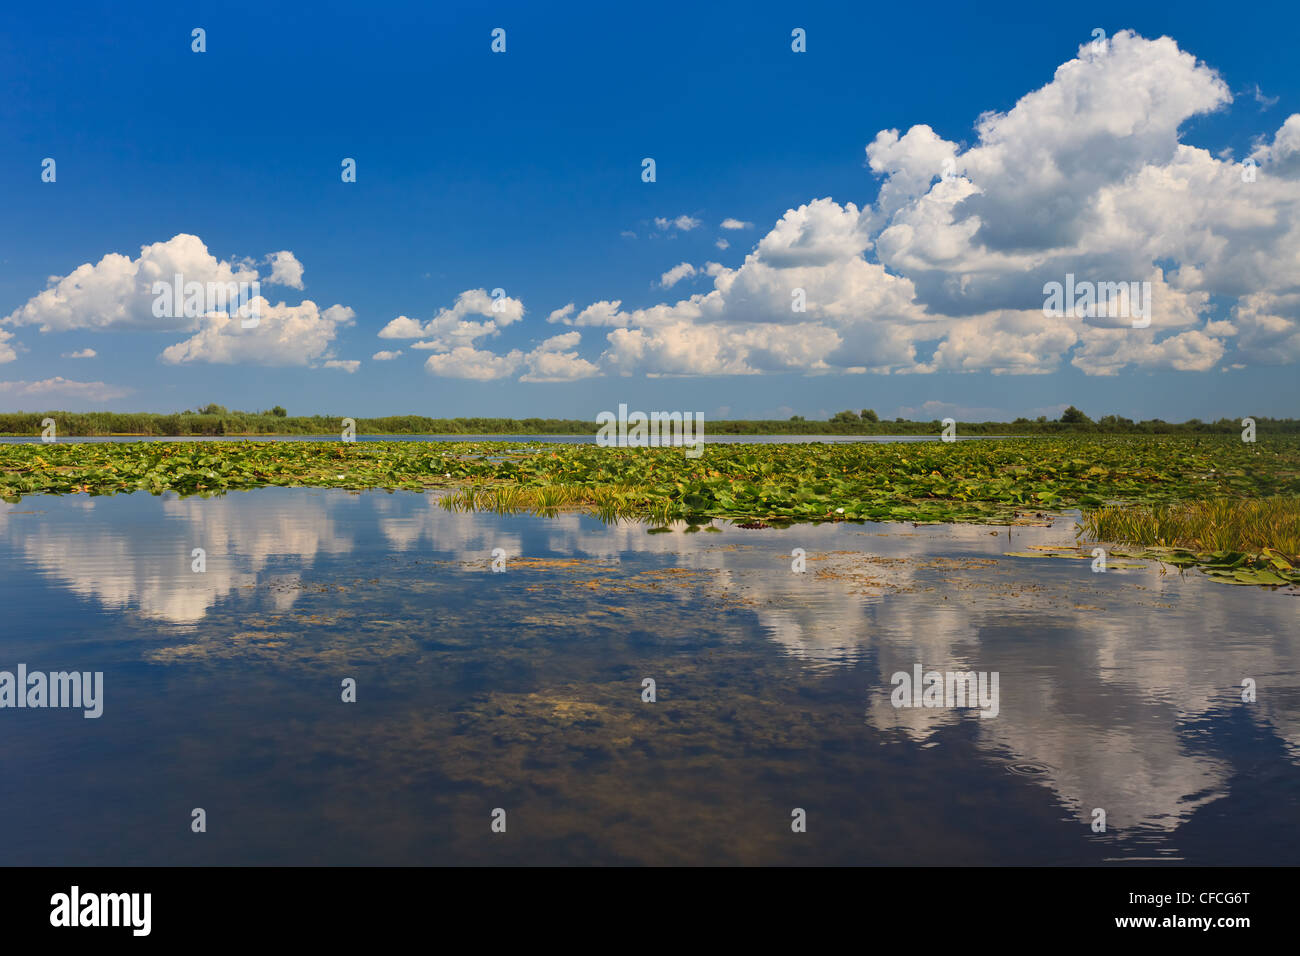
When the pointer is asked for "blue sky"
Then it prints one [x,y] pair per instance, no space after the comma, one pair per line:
[522,171]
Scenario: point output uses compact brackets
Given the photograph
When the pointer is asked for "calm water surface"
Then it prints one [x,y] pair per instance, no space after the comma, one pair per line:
[522,690]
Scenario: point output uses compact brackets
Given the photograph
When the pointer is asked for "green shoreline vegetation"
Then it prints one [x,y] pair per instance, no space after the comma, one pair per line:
[216,420]
[1210,500]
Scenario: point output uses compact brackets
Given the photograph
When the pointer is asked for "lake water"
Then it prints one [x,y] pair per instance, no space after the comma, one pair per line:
[521,690]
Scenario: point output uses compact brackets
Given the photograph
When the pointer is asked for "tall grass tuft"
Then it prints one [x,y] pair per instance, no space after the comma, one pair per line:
[1225,524]
[610,502]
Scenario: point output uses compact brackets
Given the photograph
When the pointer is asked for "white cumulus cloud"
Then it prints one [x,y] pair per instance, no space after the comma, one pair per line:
[554,360]
[1089,176]
[676,274]
[451,328]
[285,335]
[347,365]
[118,293]
[682,223]
[286,270]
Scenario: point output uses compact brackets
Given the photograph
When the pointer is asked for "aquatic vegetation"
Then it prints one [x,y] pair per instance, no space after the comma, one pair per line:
[1222,524]
[611,502]
[1238,541]
[778,484]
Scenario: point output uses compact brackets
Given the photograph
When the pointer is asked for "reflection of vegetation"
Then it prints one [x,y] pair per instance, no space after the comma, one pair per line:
[1241,541]
[928,481]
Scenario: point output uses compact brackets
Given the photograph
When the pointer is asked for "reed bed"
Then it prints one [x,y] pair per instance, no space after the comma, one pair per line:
[610,502]
[1224,524]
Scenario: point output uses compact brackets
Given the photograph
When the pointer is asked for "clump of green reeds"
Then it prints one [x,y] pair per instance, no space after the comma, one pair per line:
[610,502]
[1225,524]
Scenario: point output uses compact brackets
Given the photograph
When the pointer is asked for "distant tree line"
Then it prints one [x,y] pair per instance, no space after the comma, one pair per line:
[213,420]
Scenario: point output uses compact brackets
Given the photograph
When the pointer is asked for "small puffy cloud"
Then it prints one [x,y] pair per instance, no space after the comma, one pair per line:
[286,270]
[730,223]
[285,335]
[7,353]
[561,342]
[682,223]
[722,244]
[402,327]
[451,328]
[475,364]
[347,365]
[80,354]
[598,313]
[384,355]
[65,388]
[555,360]
[676,274]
